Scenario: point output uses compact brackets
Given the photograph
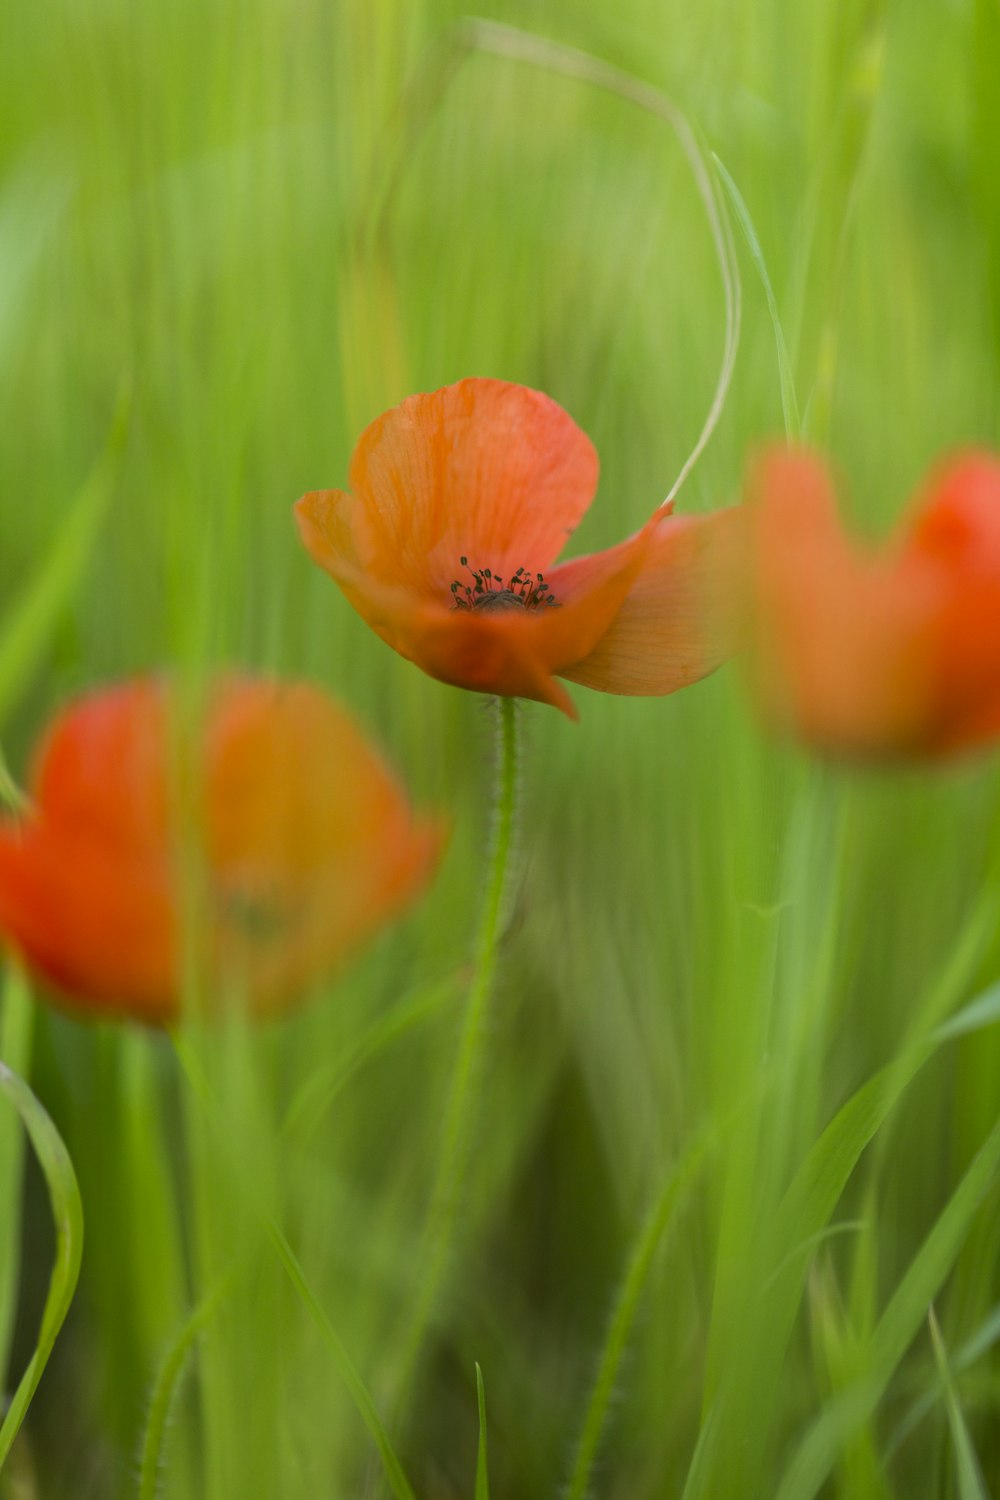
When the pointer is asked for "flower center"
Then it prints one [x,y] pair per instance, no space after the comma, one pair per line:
[490,593]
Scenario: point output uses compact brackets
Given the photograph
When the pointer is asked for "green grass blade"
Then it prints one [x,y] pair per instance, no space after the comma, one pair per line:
[28,624]
[482,1456]
[898,1326]
[980,1343]
[789,401]
[319,1092]
[821,1180]
[700,1467]
[968,1473]
[67,1211]
[979,1013]
[165,1390]
[361,1396]
[358,1390]
[15,1051]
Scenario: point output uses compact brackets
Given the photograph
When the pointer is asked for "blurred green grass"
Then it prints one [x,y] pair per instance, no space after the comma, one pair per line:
[250,216]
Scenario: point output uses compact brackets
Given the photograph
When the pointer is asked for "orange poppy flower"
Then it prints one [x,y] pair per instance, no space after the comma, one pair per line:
[888,651]
[304,844]
[460,502]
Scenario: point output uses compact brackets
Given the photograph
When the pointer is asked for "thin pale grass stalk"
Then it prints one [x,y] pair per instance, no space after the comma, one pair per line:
[969,1475]
[789,400]
[454,1153]
[497,39]
[980,1343]
[818,409]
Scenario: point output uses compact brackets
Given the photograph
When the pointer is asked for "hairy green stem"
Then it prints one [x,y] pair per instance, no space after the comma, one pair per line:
[459,1117]
[624,1312]
[166,1386]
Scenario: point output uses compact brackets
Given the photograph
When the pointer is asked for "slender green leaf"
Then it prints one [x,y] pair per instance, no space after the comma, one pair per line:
[821,1180]
[482,1457]
[15,1051]
[978,1014]
[67,1211]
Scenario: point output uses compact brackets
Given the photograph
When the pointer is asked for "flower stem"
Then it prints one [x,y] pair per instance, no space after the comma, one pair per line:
[459,1116]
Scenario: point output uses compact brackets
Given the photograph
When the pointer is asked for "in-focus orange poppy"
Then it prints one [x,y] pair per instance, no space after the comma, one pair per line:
[460,501]
[890,651]
[296,841]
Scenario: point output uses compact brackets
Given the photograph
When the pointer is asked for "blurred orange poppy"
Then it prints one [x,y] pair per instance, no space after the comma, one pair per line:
[460,502]
[303,844]
[887,651]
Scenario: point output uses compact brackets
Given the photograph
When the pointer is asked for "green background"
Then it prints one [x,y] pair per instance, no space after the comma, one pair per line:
[255,226]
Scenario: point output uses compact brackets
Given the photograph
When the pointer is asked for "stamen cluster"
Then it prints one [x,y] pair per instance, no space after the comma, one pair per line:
[489,591]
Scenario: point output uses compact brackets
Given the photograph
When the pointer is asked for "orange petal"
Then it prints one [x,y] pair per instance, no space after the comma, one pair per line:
[483,469]
[98,926]
[311,841]
[102,770]
[843,637]
[645,616]
[681,615]
[957,522]
[957,529]
[513,653]
[305,843]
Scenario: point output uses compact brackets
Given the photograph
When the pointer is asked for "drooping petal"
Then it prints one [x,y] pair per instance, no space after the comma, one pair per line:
[517,652]
[682,614]
[956,529]
[957,520]
[482,469]
[648,615]
[844,637]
